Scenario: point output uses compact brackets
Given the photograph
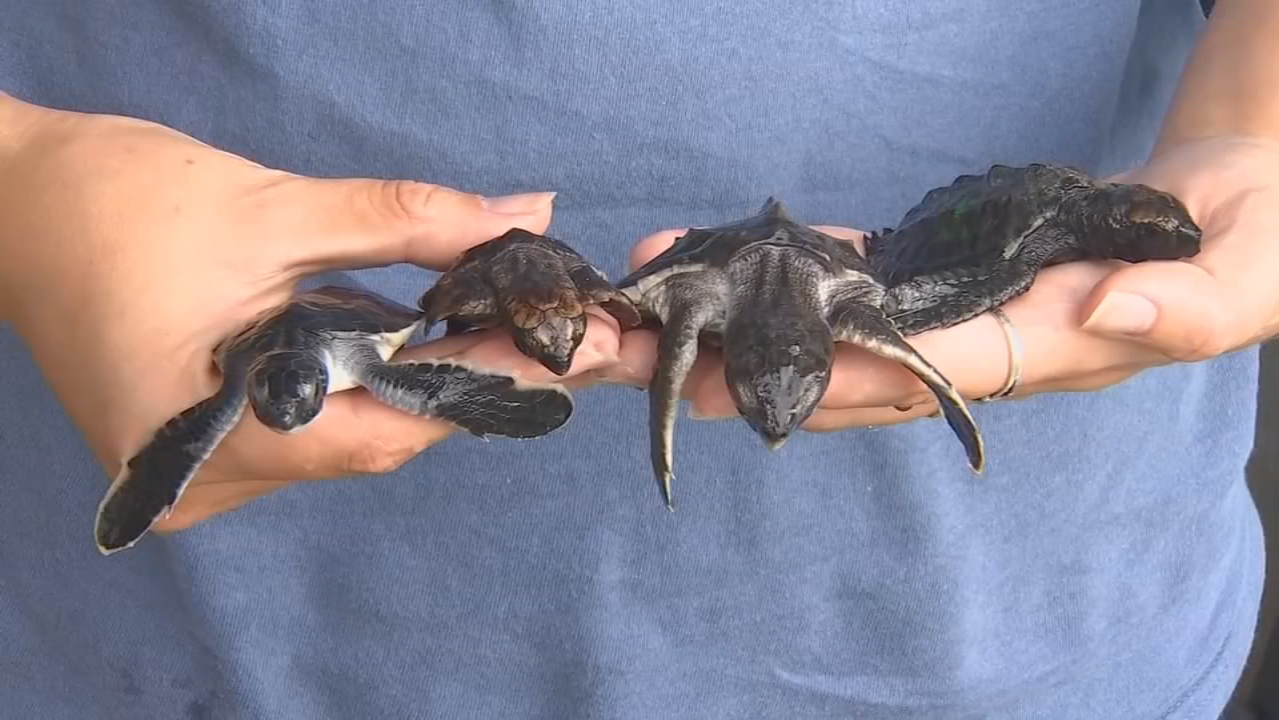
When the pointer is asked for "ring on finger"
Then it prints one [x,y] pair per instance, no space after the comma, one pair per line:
[1015,351]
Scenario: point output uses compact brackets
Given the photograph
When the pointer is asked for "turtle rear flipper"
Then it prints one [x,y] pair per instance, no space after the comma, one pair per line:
[480,403]
[150,484]
[866,326]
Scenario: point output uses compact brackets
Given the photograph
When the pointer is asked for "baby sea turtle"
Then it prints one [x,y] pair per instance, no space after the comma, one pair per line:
[535,287]
[332,339]
[776,295]
[979,242]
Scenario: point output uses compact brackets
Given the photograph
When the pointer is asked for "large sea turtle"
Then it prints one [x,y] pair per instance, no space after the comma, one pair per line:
[334,339]
[776,295]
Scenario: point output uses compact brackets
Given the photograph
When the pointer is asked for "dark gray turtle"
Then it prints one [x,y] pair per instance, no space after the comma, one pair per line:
[979,242]
[334,338]
[535,287]
[775,296]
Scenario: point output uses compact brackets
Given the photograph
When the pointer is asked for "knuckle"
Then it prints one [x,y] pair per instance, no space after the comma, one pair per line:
[1205,344]
[920,398]
[407,201]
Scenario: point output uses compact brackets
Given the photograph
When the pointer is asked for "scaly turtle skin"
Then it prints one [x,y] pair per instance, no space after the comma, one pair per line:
[979,242]
[535,287]
[776,295]
[333,339]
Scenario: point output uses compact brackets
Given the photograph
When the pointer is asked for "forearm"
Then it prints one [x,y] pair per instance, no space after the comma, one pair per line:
[1230,86]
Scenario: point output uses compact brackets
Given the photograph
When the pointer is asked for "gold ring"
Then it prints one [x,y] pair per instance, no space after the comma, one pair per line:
[1014,357]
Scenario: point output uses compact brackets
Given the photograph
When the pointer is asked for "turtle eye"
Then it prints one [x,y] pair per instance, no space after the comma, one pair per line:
[1143,212]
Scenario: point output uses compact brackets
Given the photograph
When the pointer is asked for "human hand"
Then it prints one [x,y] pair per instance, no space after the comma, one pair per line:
[130,250]
[1188,310]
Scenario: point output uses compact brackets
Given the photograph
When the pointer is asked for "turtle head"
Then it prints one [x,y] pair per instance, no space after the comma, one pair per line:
[286,389]
[549,337]
[776,385]
[1152,225]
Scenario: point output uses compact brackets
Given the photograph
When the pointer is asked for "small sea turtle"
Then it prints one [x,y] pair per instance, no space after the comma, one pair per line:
[776,295]
[535,287]
[979,242]
[332,339]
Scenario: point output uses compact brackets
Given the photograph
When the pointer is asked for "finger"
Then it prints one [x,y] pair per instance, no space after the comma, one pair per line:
[975,355]
[856,237]
[495,350]
[637,358]
[1177,308]
[654,245]
[828,420]
[352,223]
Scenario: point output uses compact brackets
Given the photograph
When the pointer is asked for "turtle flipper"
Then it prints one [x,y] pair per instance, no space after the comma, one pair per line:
[480,403]
[287,387]
[866,326]
[931,302]
[594,287]
[535,286]
[151,482]
[945,298]
[677,348]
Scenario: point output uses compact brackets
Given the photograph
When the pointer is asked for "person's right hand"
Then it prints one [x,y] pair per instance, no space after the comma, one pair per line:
[129,250]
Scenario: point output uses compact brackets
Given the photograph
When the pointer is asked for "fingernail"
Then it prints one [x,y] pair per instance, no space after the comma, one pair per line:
[1122,313]
[521,204]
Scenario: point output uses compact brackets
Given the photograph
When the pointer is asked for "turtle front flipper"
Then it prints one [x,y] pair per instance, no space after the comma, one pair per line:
[287,388]
[534,286]
[865,326]
[151,482]
[478,402]
[690,311]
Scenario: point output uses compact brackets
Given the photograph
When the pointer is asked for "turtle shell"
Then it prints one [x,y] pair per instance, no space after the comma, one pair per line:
[325,312]
[971,222]
[714,246]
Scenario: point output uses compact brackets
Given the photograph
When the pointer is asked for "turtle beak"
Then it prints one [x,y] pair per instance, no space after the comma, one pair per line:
[775,440]
[776,402]
[552,342]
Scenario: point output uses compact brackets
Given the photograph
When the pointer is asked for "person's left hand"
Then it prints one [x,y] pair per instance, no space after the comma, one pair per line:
[1083,325]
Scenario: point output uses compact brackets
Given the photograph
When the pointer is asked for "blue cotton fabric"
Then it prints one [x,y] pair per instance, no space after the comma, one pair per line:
[1108,565]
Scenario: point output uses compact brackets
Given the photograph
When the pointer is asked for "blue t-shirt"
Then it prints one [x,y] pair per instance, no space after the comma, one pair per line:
[1108,565]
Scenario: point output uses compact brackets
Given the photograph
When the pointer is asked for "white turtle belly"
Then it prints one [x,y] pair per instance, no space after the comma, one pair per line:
[343,357]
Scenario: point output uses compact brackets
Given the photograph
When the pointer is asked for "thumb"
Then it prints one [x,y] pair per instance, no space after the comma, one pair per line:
[1176,308]
[353,223]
